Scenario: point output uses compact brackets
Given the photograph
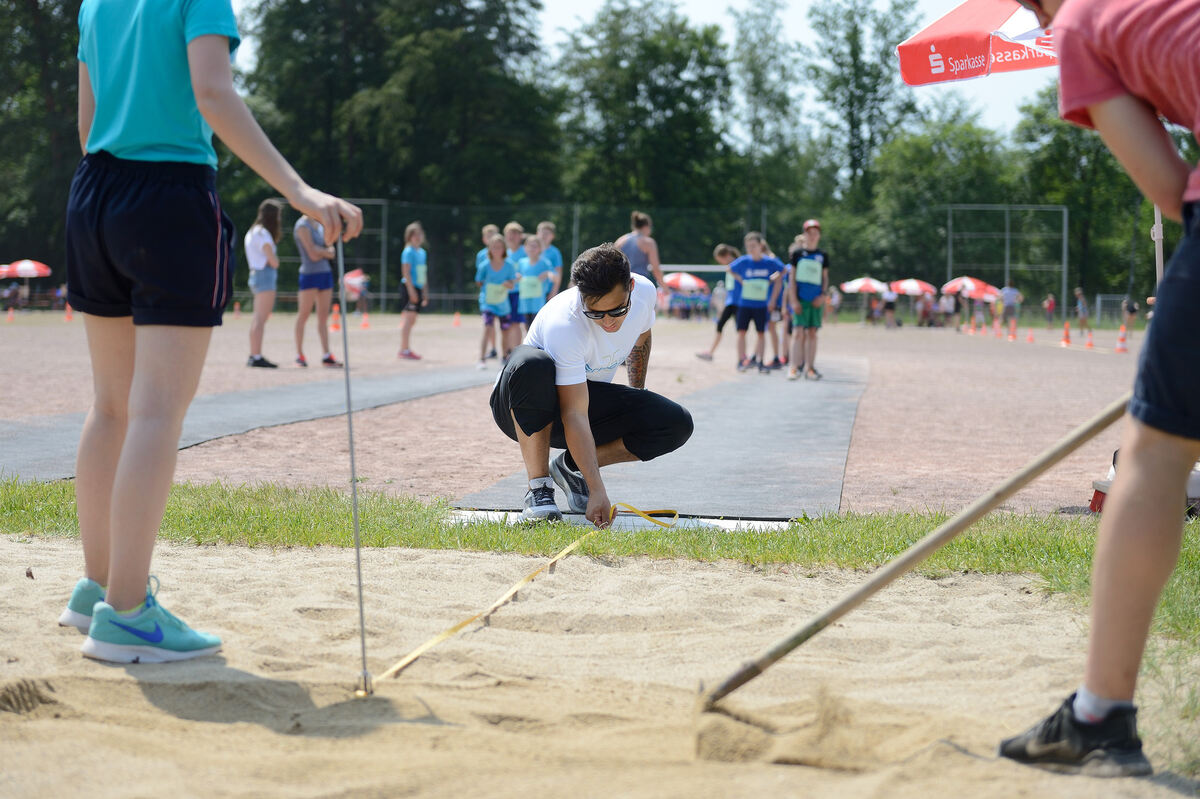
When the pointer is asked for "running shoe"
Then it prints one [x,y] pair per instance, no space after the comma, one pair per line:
[539,502]
[793,374]
[763,369]
[775,364]
[491,354]
[813,374]
[408,355]
[704,356]
[79,607]
[1110,748]
[261,362]
[481,365]
[743,365]
[301,361]
[571,482]
[152,636]
[329,360]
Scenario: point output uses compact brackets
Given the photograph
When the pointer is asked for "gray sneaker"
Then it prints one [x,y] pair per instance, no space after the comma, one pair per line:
[571,482]
[539,502]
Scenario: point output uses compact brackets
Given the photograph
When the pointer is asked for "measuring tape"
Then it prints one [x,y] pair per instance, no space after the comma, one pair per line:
[450,632]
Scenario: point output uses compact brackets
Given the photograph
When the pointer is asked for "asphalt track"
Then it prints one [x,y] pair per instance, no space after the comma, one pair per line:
[764,448]
[43,447]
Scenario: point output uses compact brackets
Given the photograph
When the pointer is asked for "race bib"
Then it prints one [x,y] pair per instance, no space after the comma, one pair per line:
[755,290]
[496,294]
[730,283]
[808,270]
[531,288]
[422,272]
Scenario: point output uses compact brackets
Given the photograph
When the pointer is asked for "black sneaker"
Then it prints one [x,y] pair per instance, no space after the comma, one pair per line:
[1062,743]
[571,482]
[763,369]
[539,502]
[261,362]
[491,354]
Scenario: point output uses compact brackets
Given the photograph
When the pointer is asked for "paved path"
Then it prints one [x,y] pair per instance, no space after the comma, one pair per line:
[764,448]
[43,447]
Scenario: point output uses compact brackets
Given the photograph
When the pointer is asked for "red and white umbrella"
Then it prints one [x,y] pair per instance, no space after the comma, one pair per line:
[913,287]
[975,39]
[975,288]
[24,268]
[864,285]
[684,281]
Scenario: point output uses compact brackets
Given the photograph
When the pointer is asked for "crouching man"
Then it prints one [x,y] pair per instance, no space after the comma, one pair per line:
[556,389]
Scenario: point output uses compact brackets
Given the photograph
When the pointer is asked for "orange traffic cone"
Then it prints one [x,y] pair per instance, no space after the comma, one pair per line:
[457,319]
[1029,338]
[996,327]
[1012,329]
[366,322]
[67,315]
[1122,344]
[1066,339]
[1089,345]
[237,310]
[11,315]
[335,321]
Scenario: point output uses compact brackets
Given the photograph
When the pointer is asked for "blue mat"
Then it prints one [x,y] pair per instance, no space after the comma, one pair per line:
[764,448]
[43,448]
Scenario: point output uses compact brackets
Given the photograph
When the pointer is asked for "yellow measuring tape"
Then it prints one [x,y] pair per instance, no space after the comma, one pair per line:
[408,659]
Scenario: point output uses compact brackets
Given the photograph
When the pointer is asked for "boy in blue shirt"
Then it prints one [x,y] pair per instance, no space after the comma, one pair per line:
[757,275]
[547,232]
[806,293]
[415,270]
[481,263]
[149,264]
[497,277]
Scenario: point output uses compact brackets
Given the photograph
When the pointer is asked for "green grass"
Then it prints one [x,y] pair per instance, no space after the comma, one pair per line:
[1058,549]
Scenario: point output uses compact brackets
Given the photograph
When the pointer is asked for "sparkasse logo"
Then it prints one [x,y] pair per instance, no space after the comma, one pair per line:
[936,65]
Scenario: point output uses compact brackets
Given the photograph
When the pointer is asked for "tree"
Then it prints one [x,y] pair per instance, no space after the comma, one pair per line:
[645,89]
[39,142]
[854,72]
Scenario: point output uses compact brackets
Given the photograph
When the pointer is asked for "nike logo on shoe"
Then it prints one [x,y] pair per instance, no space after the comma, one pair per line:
[154,637]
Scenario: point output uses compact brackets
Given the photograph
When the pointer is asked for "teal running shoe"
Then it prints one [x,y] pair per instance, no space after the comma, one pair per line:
[79,608]
[153,636]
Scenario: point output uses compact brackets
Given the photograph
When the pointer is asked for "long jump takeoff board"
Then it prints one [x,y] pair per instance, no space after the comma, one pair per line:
[764,447]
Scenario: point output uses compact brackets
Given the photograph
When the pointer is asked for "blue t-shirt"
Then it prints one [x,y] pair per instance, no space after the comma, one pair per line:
[531,288]
[415,257]
[554,256]
[136,56]
[481,263]
[733,290]
[513,257]
[809,266]
[496,277]
[756,279]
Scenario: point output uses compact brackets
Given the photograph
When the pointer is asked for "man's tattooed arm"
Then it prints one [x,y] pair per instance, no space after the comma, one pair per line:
[639,358]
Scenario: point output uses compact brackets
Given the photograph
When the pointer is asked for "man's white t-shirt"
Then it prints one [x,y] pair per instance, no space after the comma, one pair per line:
[581,349]
[256,237]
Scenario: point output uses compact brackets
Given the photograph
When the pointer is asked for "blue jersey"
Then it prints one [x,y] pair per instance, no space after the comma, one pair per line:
[415,257]
[554,256]
[809,267]
[756,279]
[481,263]
[136,57]
[493,283]
[530,287]
[514,256]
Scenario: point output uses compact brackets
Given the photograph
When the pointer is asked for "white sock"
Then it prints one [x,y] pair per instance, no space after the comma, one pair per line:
[541,482]
[1092,709]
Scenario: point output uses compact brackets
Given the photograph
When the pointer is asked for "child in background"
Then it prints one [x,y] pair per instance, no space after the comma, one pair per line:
[534,273]
[415,271]
[497,278]
[149,264]
[547,232]
[724,254]
[481,263]
[758,273]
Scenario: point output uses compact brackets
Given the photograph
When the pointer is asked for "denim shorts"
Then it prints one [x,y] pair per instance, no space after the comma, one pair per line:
[321,280]
[1166,394]
[263,279]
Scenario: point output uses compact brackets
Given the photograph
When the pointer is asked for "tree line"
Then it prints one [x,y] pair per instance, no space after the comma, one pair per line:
[454,112]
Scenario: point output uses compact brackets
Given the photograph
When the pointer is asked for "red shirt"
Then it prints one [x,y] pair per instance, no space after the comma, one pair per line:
[1147,48]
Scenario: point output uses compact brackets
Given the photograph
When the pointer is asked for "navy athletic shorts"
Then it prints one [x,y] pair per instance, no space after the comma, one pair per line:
[758,315]
[321,281]
[1166,393]
[148,239]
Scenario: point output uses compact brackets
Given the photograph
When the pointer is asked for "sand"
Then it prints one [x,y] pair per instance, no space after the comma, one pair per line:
[587,685]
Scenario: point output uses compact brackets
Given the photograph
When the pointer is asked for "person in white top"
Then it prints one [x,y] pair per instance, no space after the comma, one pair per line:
[556,389]
[260,243]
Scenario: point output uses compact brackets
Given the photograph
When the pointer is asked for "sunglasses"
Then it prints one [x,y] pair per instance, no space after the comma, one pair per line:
[615,313]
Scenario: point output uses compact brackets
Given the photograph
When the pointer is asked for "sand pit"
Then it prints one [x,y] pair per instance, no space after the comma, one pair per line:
[585,687]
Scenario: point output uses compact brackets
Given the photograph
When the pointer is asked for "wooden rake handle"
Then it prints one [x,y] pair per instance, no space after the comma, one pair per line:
[920,550]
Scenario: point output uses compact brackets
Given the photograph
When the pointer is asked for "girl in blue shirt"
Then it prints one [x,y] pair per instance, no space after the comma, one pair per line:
[535,275]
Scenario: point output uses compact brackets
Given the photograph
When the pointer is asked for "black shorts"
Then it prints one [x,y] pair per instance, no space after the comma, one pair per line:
[649,423]
[1166,393]
[728,313]
[408,304]
[148,239]
[745,315]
